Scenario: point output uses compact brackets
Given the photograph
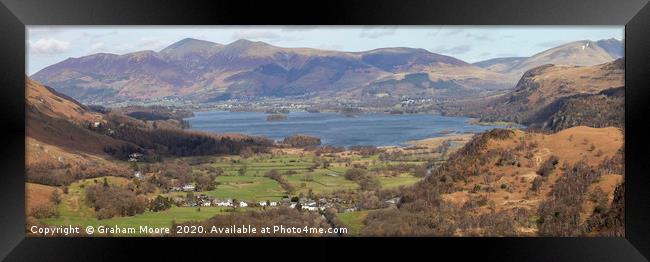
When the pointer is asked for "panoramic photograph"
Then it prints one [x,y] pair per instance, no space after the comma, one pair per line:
[324,131]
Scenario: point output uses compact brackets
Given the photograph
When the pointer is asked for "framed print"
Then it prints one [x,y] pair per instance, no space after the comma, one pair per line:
[503,125]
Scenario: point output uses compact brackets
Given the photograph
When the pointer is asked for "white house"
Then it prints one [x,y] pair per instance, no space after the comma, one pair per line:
[310,208]
[243,204]
[224,203]
[273,204]
[188,187]
[393,201]
[262,203]
[206,203]
[293,205]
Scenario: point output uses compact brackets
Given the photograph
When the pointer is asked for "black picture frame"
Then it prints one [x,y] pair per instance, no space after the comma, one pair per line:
[634,14]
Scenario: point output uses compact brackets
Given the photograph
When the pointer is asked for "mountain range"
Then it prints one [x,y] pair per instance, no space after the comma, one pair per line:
[579,53]
[555,97]
[204,71]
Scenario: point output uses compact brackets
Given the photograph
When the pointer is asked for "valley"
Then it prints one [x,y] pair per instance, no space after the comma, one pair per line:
[392,141]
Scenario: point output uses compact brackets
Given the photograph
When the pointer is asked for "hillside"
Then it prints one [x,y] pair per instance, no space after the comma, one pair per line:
[514,183]
[557,96]
[66,141]
[58,142]
[55,119]
[606,108]
[204,71]
[579,53]
[501,64]
[54,104]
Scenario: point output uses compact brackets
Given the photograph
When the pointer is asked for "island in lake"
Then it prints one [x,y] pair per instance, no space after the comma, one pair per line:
[276,117]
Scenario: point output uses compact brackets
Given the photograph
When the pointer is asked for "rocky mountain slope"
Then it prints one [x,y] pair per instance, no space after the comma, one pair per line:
[557,96]
[579,53]
[205,71]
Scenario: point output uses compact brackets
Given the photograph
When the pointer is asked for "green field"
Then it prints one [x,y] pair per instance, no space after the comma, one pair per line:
[253,186]
[74,211]
[246,188]
[258,165]
[397,181]
[320,181]
[354,221]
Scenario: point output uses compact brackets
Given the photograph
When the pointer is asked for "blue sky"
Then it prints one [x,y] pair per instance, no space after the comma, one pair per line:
[47,45]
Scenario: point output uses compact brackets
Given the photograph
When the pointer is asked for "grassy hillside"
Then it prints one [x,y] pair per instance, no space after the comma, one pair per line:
[507,182]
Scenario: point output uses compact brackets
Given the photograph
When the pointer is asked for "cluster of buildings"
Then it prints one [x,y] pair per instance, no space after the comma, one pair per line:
[308,204]
[407,101]
[203,200]
[304,203]
[241,103]
[184,188]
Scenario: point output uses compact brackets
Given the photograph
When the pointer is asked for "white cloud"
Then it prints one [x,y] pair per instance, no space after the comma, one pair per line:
[454,32]
[299,28]
[150,43]
[262,35]
[49,46]
[331,47]
[97,47]
[479,37]
[36,31]
[255,35]
[553,43]
[434,33]
[97,35]
[377,33]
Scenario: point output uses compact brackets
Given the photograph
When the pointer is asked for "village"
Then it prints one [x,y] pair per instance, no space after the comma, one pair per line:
[302,203]
[193,197]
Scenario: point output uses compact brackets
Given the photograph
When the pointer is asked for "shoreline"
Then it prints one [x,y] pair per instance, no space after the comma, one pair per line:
[436,141]
[433,139]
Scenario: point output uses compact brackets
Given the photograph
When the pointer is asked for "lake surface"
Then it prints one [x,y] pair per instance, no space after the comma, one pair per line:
[335,129]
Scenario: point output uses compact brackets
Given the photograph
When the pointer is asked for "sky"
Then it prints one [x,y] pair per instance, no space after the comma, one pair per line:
[47,45]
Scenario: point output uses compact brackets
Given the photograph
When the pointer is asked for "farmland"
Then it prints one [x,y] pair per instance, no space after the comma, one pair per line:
[241,178]
[74,211]
[354,221]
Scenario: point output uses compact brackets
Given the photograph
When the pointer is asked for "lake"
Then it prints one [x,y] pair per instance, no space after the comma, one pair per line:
[336,129]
